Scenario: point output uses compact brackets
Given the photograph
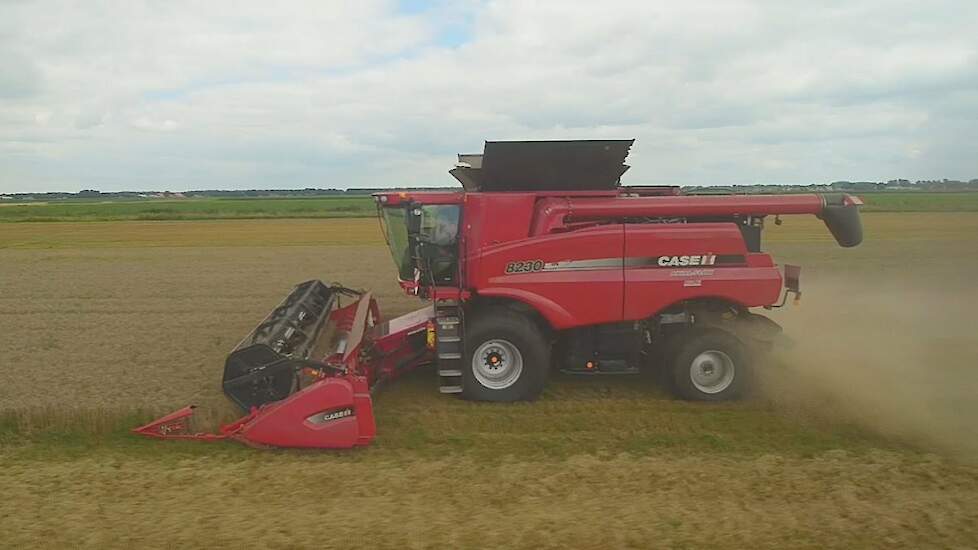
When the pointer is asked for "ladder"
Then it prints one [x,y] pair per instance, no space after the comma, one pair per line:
[449,347]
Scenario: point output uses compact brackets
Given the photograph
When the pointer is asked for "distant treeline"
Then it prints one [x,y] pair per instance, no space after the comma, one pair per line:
[931,186]
[944,185]
[92,194]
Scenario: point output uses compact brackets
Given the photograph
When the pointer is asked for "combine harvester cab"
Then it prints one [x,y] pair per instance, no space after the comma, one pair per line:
[304,375]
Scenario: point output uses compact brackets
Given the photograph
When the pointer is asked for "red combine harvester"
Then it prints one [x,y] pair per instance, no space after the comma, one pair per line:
[542,260]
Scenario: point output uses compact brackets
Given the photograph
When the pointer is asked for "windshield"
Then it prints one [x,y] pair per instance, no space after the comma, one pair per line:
[397,239]
[439,226]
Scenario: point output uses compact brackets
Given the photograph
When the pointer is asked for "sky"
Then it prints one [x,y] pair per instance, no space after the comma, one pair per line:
[174,95]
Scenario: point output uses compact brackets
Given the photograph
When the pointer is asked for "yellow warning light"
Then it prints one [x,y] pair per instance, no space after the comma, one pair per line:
[430,337]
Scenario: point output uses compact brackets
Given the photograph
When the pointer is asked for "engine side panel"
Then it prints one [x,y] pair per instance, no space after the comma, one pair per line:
[572,279]
[667,263]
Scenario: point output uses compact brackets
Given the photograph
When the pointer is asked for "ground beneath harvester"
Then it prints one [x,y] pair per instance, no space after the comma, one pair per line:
[864,437]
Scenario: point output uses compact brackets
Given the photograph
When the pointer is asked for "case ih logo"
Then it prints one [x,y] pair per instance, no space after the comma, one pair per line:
[328,416]
[681,261]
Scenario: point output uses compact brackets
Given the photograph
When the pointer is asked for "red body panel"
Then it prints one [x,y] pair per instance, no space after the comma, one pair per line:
[649,288]
[490,219]
[287,423]
[568,297]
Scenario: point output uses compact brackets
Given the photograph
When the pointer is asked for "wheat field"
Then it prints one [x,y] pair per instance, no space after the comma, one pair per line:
[860,436]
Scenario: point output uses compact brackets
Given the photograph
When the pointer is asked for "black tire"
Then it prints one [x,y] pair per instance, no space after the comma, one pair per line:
[711,354]
[511,333]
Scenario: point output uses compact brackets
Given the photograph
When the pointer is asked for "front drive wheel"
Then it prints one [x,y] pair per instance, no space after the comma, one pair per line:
[506,359]
[710,366]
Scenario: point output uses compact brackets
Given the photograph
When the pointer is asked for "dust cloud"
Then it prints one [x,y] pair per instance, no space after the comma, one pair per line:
[898,358]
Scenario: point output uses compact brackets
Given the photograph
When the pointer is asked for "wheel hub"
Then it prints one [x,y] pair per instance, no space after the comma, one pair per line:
[497,364]
[494,360]
[712,371]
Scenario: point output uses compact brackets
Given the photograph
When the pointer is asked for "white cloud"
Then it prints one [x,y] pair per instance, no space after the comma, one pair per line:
[132,95]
